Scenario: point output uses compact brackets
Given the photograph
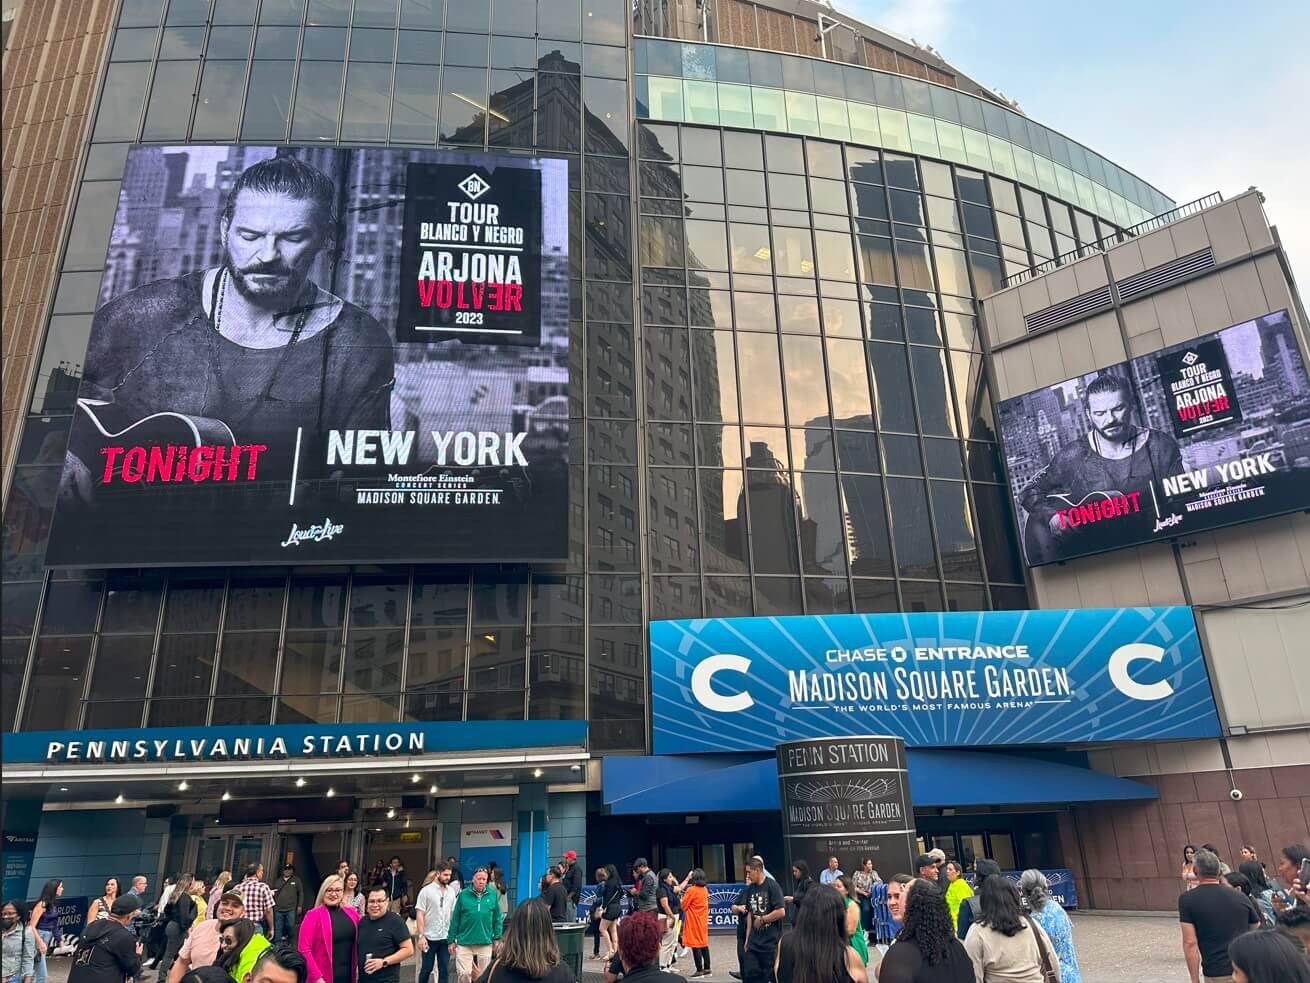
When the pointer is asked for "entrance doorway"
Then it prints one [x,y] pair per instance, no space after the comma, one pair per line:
[210,853]
[418,845]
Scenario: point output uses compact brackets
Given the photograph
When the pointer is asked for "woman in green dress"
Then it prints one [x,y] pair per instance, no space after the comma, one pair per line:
[859,941]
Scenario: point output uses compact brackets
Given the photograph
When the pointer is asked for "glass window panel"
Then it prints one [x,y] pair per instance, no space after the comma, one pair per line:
[987,275]
[557,671]
[869,201]
[374,13]
[665,98]
[1000,541]
[134,44]
[617,689]
[252,602]
[850,385]
[827,596]
[745,188]
[436,656]
[812,449]
[933,388]
[368,96]
[310,708]
[802,113]
[421,47]
[606,103]
[247,663]
[414,105]
[182,43]
[707,245]
[768,108]
[218,106]
[55,687]
[822,534]
[920,596]
[910,528]
[827,196]
[805,383]
[750,248]
[778,596]
[324,43]
[373,661]
[864,124]
[371,45]
[435,703]
[463,102]
[661,241]
[311,661]
[700,101]
[836,262]
[316,603]
[675,597]
[876,263]
[497,664]
[892,387]
[907,206]
[122,664]
[121,101]
[722,504]
[132,605]
[184,665]
[187,12]
[956,537]
[913,263]
[841,318]
[923,135]
[943,458]
[833,121]
[762,400]
[773,507]
[276,42]
[901,455]
[865,525]
[895,129]
[266,115]
[793,251]
[734,105]
[235,11]
[798,315]
[114,715]
[952,271]
[715,371]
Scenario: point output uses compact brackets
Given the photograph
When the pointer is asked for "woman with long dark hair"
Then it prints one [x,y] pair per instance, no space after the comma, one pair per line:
[696,921]
[610,898]
[1188,875]
[800,878]
[926,949]
[1005,945]
[529,952]
[99,909]
[818,950]
[1262,892]
[44,922]
[1268,957]
[854,929]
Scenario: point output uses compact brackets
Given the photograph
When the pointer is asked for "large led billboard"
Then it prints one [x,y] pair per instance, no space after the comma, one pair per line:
[324,355]
[1204,434]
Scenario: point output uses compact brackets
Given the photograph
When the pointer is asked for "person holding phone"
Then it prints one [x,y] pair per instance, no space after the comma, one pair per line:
[383,942]
[1293,871]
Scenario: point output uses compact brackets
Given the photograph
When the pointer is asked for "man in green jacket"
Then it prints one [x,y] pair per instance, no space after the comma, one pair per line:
[475,927]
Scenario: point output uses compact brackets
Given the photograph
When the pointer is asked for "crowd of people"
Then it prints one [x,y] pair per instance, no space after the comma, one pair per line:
[1247,925]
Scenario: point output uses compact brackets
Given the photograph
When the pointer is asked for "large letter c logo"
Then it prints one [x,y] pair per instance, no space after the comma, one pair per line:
[1126,655]
[705,693]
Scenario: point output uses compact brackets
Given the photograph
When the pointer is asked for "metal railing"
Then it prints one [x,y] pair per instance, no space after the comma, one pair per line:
[1101,245]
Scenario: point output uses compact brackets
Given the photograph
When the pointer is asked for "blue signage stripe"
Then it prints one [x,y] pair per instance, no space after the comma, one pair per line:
[943,679]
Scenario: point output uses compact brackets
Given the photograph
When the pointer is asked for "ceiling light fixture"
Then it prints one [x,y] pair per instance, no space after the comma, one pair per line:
[575,767]
[183,785]
[391,813]
[415,778]
[300,783]
[226,796]
[118,799]
[536,772]
[331,793]
[432,790]
[63,788]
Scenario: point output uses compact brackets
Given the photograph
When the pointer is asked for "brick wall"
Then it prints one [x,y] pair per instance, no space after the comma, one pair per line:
[49,74]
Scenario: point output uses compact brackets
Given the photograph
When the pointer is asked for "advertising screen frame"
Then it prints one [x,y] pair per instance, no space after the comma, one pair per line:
[200,455]
[1052,423]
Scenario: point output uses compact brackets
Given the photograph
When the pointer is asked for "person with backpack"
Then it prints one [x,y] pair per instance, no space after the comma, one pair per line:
[108,951]
[971,907]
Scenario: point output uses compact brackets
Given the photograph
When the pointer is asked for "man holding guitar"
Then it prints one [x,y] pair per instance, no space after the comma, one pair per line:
[1099,485]
[246,354]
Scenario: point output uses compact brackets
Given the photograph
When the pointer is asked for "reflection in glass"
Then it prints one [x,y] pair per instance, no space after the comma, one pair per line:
[867,545]
[806,386]
[892,387]
[724,534]
[911,530]
[956,537]
[761,401]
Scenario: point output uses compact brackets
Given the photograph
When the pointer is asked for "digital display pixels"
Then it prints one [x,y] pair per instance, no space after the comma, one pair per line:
[325,355]
[1203,434]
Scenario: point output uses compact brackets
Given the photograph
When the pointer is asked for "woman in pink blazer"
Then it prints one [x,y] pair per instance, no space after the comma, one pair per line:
[327,936]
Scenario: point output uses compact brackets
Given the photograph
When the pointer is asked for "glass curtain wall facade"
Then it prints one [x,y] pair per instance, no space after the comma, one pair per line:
[776,366]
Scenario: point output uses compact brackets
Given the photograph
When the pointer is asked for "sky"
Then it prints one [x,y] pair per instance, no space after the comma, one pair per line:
[1192,97]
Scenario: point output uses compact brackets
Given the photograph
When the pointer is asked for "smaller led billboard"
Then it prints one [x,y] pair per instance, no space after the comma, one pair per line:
[1208,433]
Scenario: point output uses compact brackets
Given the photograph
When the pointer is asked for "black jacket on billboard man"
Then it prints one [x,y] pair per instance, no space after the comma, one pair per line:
[1100,484]
[246,352]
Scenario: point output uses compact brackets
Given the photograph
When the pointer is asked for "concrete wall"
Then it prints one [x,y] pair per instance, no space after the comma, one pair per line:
[1250,584]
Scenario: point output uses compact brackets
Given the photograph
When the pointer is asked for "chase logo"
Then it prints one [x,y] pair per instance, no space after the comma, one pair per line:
[1123,657]
[702,683]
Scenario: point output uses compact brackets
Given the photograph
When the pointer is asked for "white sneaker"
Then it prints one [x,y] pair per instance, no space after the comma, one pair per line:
[684,951]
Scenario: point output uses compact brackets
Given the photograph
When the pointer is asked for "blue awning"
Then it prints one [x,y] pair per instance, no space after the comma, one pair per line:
[729,783]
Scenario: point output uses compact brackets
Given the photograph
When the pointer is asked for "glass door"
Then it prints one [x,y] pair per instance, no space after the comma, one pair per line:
[211,855]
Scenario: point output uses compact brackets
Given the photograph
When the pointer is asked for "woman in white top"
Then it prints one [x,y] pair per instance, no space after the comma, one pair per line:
[1004,945]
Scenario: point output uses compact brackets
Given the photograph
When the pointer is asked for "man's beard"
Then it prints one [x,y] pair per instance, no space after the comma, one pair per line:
[1117,433]
[274,295]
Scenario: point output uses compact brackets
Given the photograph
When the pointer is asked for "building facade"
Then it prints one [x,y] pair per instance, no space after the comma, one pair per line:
[781,225]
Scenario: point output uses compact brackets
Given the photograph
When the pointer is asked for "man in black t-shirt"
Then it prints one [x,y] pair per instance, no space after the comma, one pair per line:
[383,942]
[1212,915]
[554,896]
[765,910]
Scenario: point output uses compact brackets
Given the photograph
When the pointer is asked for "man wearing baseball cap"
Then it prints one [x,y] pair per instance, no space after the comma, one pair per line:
[572,881]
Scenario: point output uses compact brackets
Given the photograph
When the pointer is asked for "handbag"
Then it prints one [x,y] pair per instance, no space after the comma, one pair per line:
[1049,973]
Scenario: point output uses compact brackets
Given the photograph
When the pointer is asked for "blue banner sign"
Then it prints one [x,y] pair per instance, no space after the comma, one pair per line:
[948,679]
[287,741]
[19,849]
[722,897]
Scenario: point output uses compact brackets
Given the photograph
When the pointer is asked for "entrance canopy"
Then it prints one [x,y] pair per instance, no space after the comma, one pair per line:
[729,783]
